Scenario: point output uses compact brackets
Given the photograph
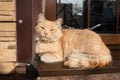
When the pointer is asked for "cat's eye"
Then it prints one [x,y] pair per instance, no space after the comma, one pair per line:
[42,27]
[52,29]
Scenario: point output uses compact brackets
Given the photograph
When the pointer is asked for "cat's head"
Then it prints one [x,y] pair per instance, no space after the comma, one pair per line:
[48,31]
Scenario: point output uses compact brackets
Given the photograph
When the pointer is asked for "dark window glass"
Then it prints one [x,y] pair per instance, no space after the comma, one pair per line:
[103,14]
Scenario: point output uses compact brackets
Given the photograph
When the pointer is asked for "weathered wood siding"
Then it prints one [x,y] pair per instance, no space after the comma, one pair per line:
[7,10]
[7,36]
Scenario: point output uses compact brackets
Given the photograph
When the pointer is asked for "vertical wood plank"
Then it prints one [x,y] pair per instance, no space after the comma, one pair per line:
[24,30]
[50,11]
[88,14]
[37,5]
[117,16]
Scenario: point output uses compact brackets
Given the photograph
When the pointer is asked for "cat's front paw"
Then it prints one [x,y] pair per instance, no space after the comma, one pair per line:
[71,64]
[44,58]
[51,58]
[76,64]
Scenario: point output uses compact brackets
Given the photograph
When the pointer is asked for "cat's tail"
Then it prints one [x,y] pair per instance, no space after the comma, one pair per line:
[88,61]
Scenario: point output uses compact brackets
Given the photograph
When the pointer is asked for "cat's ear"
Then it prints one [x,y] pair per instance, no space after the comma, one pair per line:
[59,21]
[41,17]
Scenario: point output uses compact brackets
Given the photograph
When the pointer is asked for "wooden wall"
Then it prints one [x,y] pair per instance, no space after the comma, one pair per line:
[7,36]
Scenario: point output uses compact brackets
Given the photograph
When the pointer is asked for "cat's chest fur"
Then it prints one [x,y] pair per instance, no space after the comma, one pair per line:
[50,47]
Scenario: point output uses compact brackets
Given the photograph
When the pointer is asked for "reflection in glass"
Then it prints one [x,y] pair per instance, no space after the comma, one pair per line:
[103,15]
[71,11]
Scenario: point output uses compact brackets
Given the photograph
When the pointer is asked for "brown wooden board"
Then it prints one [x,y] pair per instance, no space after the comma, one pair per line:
[7,27]
[58,69]
[24,30]
[7,10]
[111,39]
[4,69]
[7,55]
[50,10]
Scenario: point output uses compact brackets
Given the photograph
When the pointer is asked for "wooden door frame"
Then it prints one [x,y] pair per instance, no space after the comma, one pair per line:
[27,14]
[24,30]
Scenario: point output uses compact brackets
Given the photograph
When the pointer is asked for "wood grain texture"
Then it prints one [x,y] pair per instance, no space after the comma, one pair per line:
[7,55]
[25,31]
[111,39]
[7,15]
[50,11]
[21,68]
[7,11]
[4,39]
[7,45]
[10,5]
[7,27]
[7,67]
[7,34]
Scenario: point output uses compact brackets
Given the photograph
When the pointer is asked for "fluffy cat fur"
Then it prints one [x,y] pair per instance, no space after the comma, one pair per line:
[77,48]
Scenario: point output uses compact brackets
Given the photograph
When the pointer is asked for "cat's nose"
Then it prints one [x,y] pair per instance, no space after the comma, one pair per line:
[45,33]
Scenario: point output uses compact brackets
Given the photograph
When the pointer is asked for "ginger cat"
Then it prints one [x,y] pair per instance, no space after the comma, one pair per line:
[77,48]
